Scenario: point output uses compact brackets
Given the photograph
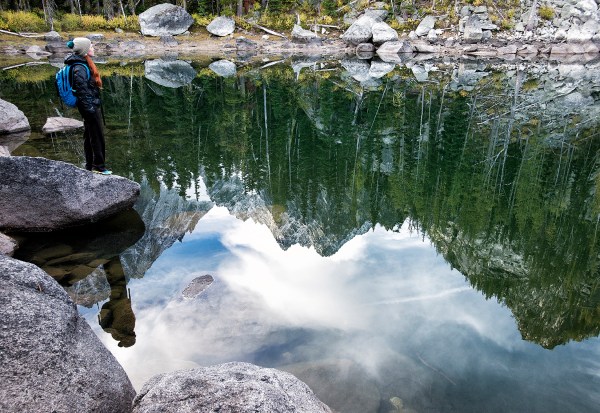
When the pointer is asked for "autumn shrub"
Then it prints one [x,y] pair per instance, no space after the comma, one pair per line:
[21,21]
[202,20]
[93,22]
[128,23]
[546,12]
[69,21]
[277,21]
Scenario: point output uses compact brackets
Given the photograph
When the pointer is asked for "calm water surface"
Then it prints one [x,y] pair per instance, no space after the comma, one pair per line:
[424,231]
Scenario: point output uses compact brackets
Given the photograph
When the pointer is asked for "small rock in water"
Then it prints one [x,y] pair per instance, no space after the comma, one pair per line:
[60,124]
[197,286]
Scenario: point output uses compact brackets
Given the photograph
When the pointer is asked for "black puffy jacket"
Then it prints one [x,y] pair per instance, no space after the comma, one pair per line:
[85,89]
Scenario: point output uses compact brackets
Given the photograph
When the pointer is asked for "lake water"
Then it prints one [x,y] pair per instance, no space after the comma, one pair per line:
[422,233]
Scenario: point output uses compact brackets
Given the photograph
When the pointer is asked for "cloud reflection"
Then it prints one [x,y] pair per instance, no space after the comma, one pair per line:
[386,303]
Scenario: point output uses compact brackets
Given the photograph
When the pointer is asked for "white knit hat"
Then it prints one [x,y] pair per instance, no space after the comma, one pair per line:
[80,45]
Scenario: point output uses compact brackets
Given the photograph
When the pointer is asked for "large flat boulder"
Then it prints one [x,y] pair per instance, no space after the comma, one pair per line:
[38,194]
[51,360]
[229,387]
[165,19]
[12,119]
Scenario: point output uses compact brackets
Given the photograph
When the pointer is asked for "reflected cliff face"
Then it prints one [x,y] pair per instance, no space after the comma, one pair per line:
[366,219]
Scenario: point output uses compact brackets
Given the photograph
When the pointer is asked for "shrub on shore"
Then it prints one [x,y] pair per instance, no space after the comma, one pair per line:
[21,21]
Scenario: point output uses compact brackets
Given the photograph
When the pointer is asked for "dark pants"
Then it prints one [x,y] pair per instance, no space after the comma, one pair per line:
[93,140]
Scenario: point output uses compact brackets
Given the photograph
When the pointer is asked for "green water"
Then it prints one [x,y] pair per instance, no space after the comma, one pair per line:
[482,174]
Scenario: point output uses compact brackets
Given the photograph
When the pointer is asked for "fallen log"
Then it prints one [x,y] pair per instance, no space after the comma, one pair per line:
[265,29]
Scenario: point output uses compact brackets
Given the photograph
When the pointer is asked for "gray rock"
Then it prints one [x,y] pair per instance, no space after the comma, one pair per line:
[164,19]
[424,47]
[171,74]
[51,360]
[399,47]
[357,69]
[7,245]
[583,33]
[13,140]
[197,286]
[378,15]
[427,24]
[12,119]
[36,52]
[57,194]
[303,36]
[510,49]
[420,74]
[576,100]
[60,124]
[230,387]
[95,37]
[473,31]
[380,69]
[587,6]
[91,290]
[221,26]
[243,44]
[169,40]
[360,31]
[52,36]
[223,68]
[4,151]
[365,48]
[382,33]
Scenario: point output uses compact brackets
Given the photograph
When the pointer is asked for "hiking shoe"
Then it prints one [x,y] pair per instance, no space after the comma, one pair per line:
[102,171]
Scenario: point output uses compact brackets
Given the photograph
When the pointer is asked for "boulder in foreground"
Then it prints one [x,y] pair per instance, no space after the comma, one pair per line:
[38,194]
[51,360]
[229,387]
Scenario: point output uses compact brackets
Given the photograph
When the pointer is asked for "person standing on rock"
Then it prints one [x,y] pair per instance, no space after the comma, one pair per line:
[86,85]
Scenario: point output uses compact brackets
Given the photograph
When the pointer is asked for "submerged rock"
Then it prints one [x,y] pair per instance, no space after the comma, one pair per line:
[229,387]
[197,286]
[51,360]
[61,124]
[58,194]
[12,119]
[343,384]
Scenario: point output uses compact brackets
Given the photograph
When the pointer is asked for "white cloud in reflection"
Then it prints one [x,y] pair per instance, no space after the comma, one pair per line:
[386,301]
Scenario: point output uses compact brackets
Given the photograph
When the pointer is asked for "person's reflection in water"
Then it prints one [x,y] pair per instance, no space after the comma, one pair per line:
[86,262]
[116,316]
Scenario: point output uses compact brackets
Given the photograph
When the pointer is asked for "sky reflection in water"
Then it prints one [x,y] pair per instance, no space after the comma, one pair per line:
[385,304]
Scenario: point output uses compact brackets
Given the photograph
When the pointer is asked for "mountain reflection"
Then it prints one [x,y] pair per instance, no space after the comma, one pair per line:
[496,164]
